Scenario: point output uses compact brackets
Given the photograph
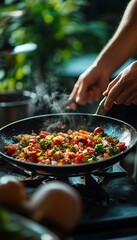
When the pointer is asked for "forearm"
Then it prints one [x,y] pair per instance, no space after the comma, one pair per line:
[123,44]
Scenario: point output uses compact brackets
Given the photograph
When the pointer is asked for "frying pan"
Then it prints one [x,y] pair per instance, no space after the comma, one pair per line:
[63,122]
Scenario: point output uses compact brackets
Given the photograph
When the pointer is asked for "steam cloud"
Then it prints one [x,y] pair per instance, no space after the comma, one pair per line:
[51,96]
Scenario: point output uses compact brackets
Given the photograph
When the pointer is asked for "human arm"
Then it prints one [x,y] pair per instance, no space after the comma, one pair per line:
[123,45]
[123,89]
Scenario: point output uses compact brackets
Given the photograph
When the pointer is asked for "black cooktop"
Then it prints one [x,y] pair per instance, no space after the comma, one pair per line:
[115,217]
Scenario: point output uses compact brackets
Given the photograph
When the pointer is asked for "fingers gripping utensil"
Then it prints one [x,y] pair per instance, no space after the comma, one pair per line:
[99,111]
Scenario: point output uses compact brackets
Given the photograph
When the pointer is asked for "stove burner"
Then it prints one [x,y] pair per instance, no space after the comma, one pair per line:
[94,191]
[28,178]
[90,186]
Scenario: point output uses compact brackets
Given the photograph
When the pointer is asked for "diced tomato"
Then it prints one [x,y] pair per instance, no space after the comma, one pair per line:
[37,147]
[71,155]
[98,130]
[42,135]
[82,140]
[92,143]
[10,149]
[32,158]
[90,150]
[57,142]
[79,158]
[121,145]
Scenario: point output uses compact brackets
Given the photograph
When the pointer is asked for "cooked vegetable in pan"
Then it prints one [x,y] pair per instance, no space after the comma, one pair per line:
[64,148]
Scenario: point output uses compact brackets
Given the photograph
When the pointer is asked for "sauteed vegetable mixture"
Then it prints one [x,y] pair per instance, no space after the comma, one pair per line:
[59,148]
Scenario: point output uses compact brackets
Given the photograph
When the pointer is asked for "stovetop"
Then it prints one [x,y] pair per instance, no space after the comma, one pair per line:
[116,218]
[109,201]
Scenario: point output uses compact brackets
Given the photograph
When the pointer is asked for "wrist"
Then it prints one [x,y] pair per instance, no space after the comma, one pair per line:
[104,68]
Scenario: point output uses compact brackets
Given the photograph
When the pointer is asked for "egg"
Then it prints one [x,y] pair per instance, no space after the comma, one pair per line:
[12,192]
[58,203]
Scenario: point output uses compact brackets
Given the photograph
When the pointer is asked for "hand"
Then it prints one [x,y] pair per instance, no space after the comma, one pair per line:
[90,85]
[123,89]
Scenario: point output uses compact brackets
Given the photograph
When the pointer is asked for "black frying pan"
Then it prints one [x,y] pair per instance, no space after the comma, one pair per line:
[63,122]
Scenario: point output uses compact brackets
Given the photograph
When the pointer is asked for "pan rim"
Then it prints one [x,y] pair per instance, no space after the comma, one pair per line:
[70,114]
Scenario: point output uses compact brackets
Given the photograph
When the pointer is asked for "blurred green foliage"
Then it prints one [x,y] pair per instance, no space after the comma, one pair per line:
[59,30]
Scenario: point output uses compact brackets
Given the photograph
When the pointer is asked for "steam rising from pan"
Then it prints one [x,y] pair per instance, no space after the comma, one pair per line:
[51,96]
[66,121]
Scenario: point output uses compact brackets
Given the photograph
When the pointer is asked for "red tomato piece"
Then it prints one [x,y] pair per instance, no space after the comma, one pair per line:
[121,145]
[82,140]
[32,158]
[10,149]
[42,135]
[90,150]
[79,158]
[92,143]
[98,130]
[57,142]
[71,155]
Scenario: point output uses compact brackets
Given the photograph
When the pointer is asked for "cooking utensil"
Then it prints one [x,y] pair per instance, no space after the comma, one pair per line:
[100,109]
[66,105]
[63,122]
